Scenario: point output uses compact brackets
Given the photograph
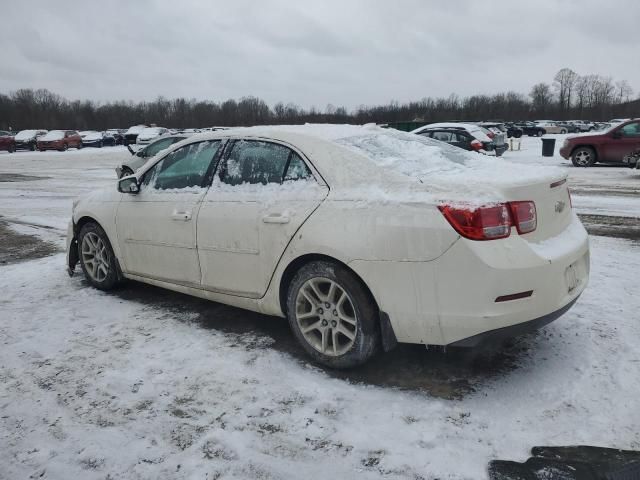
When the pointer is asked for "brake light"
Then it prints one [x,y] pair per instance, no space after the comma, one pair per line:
[481,223]
[477,145]
[524,216]
[491,222]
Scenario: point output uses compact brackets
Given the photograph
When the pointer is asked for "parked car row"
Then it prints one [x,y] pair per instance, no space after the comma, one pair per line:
[468,136]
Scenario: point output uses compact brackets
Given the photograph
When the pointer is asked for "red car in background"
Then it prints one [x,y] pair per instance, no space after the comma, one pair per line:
[614,145]
[7,141]
[60,140]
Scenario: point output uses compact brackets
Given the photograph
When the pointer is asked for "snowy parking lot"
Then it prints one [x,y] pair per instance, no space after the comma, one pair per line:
[146,383]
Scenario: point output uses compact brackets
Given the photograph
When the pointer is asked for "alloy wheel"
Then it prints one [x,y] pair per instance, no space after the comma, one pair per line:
[583,158]
[326,316]
[95,257]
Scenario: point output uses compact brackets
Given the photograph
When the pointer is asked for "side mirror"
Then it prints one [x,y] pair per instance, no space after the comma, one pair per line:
[129,185]
[617,134]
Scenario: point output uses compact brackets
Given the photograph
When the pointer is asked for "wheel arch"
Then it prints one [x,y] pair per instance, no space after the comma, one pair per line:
[388,337]
[82,221]
[299,262]
[585,145]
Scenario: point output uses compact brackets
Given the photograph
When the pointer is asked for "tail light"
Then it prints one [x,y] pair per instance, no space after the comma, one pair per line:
[482,223]
[477,145]
[491,222]
[524,216]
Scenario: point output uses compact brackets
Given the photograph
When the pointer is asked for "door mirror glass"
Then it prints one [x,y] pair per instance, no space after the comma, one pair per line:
[128,185]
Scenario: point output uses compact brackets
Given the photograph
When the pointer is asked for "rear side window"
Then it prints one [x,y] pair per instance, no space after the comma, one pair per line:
[257,162]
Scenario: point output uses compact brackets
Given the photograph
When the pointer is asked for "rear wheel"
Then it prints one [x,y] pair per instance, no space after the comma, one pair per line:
[12,148]
[563,131]
[583,157]
[333,315]
[96,257]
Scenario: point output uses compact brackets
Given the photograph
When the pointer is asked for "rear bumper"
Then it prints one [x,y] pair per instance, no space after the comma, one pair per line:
[511,331]
[459,296]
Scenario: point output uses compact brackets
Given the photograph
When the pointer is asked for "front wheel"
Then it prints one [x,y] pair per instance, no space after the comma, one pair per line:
[563,131]
[126,171]
[583,157]
[539,133]
[96,257]
[332,315]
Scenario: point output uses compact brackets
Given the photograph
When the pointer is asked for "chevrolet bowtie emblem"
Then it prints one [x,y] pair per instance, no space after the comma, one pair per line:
[560,206]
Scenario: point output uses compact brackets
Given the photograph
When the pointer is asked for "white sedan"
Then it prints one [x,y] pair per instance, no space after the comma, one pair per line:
[362,237]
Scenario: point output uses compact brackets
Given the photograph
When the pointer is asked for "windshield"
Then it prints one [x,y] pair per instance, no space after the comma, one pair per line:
[53,135]
[93,136]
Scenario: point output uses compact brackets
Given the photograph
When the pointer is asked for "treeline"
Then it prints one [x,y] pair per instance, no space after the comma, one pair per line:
[569,96]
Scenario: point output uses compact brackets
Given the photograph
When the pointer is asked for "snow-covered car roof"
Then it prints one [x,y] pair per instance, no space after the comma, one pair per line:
[478,131]
[135,129]
[388,161]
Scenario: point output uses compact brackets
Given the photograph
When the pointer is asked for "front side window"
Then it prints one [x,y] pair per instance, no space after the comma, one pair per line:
[183,168]
[156,147]
[631,130]
[255,162]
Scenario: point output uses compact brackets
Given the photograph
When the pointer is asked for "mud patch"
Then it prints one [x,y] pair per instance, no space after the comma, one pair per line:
[570,463]
[612,226]
[17,247]
[18,177]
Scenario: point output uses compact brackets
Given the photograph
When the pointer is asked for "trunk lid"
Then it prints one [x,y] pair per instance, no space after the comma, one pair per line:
[553,206]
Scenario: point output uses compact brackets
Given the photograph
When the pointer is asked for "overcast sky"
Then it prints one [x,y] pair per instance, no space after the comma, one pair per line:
[311,52]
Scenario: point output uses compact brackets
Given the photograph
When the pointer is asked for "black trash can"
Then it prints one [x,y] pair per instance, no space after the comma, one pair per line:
[548,146]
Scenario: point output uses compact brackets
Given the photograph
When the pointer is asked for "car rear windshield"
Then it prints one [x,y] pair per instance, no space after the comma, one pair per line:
[53,135]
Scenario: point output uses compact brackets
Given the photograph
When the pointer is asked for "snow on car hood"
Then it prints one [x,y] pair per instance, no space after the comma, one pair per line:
[53,135]
[25,135]
[93,136]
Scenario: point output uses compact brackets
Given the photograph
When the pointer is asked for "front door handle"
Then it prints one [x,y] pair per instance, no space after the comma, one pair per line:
[276,218]
[181,216]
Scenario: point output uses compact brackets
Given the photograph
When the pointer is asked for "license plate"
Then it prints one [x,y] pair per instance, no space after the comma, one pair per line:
[571,277]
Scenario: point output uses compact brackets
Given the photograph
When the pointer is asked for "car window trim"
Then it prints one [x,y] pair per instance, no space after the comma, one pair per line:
[205,180]
[292,149]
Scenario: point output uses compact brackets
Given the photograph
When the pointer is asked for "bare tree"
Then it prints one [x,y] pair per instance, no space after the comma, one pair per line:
[623,92]
[541,97]
[563,83]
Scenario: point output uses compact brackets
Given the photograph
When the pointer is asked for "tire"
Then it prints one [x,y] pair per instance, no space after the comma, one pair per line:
[564,131]
[80,145]
[518,134]
[96,256]
[539,133]
[347,332]
[583,157]
[126,171]
[12,148]
[100,144]
[32,147]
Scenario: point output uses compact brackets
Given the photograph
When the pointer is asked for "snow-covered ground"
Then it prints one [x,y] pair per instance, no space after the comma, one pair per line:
[112,385]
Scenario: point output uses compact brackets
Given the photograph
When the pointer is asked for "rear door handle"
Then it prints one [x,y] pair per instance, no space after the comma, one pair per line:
[181,216]
[276,218]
